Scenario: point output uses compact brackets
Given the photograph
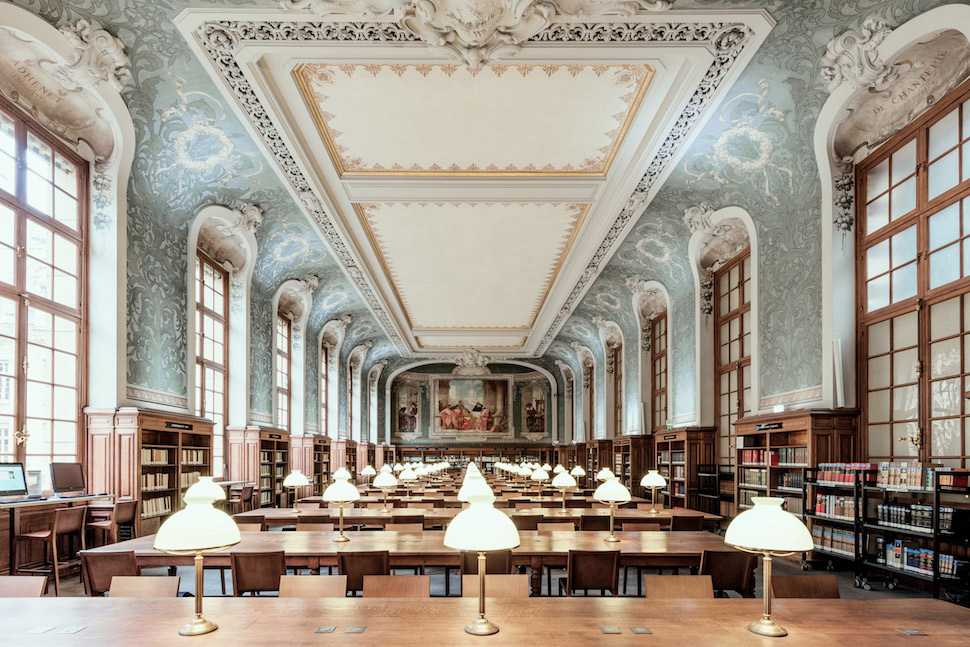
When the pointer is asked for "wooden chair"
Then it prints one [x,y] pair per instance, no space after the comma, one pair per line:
[730,570]
[315,527]
[123,514]
[357,564]
[243,501]
[528,505]
[255,572]
[397,586]
[314,518]
[686,524]
[377,506]
[804,586]
[99,569]
[12,586]
[496,586]
[67,523]
[250,527]
[498,562]
[556,526]
[668,587]
[527,522]
[322,586]
[594,522]
[144,586]
[638,527]
[641,527]
[591,569]
[404,527]
[647,507]
[420,505]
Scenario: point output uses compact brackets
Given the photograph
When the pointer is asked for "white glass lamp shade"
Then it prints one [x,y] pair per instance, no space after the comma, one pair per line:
[539,475]
[653,478]
[563,480]
[421,470]
[198,526]
[768,528]
[398,467]
[368,471]
[205,488]
[577,471]
[481,527]
[604,474]
[385,480]
[341,490]
[558,469]
[475,486]
[546,467]
[407,474]
[341,473]
[296,478]
[386,469]
[611,491]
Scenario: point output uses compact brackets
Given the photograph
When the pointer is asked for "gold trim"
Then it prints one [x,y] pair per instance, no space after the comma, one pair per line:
[342,172]
[379,252]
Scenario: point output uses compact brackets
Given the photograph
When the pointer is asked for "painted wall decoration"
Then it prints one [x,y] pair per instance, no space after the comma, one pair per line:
[477,405]
[534,409]
[407,410]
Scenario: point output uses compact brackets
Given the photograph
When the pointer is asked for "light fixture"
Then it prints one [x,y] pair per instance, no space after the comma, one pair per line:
[385,481]
[368,471]
[197,528]
[406,476]
[340,492]
[546,467]
[611,491]
[539,476]
[563,480]
[768,530]
[655,481]
[558,469]
[578,471]
[295,479]
[398,468]
[386,469]
[481,528]
[605,474]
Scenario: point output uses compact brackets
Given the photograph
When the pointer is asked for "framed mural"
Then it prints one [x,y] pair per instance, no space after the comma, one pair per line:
[407,408]
[534,409]
[471,407]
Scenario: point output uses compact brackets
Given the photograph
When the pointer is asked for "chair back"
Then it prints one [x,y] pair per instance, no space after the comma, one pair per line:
[594,522]
[125,513]
[314,527]
[377,506]
[496,586]
[69,520]
[317,586]
[397,586]
[250,527]
[592,569]
[255,572]
[804,586]
[668,587]
[527,521]
[422,505]
[144,586]
[14,586]
[686,523]
[404,527]
[356,564]
[645,506]
[497,562]
[406,518]
[246,496]
[730,570]
[557,526]
[641,527]
[525,505]
[314,518]
[98,568]
[577,503]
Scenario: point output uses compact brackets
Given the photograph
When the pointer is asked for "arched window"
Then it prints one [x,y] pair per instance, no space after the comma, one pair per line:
[617,360]
[913,270]
[283,334]
[324,388]
[43,294]
[212,350]
[658,361]
[732,349]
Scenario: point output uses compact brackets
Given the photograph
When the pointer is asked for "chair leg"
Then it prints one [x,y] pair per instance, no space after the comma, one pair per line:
[222,579]
[56,567]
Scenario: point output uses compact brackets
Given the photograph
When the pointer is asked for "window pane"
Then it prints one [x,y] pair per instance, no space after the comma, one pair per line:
[878,293]
[944,174]
[878,179]
[945,226]
[904,283]
[877,259]
[944,266]
[877,214]
[904,162]
[903,198]
[944,134]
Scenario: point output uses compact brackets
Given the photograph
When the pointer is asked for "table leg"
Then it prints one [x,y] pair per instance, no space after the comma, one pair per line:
[14,531]
[535,564]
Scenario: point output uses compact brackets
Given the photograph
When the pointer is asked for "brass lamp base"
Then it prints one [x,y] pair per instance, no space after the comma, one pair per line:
[198,627]
[481,626]
[612,538]
[341,538]
[767,627]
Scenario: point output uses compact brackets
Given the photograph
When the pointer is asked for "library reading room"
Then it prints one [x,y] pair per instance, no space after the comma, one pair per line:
[692,368]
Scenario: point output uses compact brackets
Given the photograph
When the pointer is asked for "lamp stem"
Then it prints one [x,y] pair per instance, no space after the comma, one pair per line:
[766,626]
[384,509]
[342,537]
[612,537]
[296,504]
[766,568]
[199,625]
[564,498]
[653,500]
[481,585]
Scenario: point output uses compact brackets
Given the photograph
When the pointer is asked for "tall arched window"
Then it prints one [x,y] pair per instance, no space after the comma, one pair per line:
[732,348]
[617,360]
[913,273]
[658,395]
[324,388]
[43,294]
[283,335]
[212,349]
[350,400]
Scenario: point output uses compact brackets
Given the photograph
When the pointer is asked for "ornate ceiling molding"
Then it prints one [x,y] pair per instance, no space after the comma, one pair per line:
[99,56]
[248,217]
[220,40]
[853,57]
[475,31]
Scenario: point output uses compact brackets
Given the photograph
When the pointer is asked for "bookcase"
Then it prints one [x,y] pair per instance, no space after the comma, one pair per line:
[709,488]
[631,458]
[679,454]
[566,456]
[773,448]
[321,464]
[598,454]
[274,465]
[343,453]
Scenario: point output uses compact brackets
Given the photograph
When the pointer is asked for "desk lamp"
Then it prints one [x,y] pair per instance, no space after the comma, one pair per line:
[558,469]
[295,479]
[611,491]
[398,468]
[655,481]
[768,530]
[546,467]
[481,528]
[341,491]
[605,474]
[406,476]
[197,528]
[368,471]
[563,481]
[539,476]
[385,481]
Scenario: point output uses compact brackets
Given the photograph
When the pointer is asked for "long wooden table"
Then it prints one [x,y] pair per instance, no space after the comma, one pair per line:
[536,550]
[451,500]
[257,622]
[441,516]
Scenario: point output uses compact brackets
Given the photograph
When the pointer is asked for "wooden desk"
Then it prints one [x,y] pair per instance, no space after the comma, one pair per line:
[256,622]
[536,550]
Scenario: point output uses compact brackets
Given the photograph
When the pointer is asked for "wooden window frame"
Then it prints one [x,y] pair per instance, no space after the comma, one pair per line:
[285,354]
[656,354]
[203,260]
[743,360]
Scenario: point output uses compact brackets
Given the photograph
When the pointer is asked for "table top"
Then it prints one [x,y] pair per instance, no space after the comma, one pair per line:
[55,500]
[567,621]
[453,498]
[431,543]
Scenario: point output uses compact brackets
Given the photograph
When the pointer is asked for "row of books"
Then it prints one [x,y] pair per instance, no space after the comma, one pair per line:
[265,497]
[680,471]
[834,540]
[915,517]
[794,504]
[188,478]
[759,457]
[677,488]
[154,481]
[754,476]
[745,497]
[790,480]
[264,470]
[194,456]
[915,559]
[836,507]
[155,457]
[792,456]
[905,476]
[265,482]
[954,478]
[841,473]
[265,457]
[156,506]
[678,457]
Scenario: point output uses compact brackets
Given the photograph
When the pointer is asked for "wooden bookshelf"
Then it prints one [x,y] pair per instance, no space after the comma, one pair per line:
[631,459]
[321,464]
[773,448]
[343,453]
[679,455]
[565,456]
[274,465]
[598,454]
